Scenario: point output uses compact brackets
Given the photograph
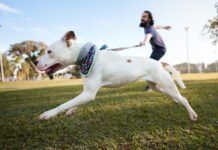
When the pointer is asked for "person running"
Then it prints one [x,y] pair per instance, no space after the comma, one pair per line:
[152,36]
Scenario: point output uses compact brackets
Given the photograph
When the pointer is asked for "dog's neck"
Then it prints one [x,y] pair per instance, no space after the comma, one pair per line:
[76,48]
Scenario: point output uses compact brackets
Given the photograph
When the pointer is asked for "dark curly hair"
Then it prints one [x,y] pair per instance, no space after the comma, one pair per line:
[151,22]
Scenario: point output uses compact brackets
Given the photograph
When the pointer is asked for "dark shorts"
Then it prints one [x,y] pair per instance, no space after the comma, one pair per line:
[157,54]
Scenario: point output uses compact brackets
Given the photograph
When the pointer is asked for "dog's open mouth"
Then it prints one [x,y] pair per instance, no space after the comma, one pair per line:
[52,69]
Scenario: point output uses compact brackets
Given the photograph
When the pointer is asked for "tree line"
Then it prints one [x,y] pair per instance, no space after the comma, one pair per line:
[198,67]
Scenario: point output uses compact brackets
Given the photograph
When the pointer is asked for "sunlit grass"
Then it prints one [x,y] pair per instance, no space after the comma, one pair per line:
[200,76]
[19,85]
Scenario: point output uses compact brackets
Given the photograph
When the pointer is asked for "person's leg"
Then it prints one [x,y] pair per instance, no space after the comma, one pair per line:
[157,54]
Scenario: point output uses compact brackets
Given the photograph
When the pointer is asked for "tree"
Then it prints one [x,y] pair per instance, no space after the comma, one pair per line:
[212,67]
[210,30]
[183,68]
[7,67]
[28,51]
[199,67]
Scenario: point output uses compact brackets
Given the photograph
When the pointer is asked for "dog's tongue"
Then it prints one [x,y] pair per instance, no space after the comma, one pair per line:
[52,69]
[48,70]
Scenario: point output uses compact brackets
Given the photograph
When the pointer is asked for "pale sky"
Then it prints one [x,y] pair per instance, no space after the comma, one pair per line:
[111,22]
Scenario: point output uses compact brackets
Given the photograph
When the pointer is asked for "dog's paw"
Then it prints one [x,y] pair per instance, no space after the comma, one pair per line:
[71,111]
[193,116]
[48,115]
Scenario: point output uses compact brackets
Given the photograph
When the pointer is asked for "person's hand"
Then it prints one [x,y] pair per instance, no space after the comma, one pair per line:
[142,43]
[167,27]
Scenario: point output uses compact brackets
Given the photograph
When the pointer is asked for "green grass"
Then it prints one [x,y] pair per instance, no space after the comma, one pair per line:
[120,118]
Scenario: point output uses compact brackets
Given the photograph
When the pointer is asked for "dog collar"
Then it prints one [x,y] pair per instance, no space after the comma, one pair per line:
[85,58]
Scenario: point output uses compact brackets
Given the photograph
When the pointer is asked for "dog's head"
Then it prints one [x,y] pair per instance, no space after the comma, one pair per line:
[60,54]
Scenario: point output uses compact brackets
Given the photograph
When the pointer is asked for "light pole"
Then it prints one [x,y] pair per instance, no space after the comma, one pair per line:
[187,47]
[216,35]
[2,70]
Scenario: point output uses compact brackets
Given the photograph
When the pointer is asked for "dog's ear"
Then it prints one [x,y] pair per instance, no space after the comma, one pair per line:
[70,35]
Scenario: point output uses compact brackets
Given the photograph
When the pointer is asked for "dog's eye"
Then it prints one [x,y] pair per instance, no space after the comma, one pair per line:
[49,51]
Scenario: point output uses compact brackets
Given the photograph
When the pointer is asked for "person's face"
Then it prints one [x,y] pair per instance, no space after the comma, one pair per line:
[144,20]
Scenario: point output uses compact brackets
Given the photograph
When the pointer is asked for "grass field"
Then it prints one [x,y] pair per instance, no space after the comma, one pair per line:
[121,118]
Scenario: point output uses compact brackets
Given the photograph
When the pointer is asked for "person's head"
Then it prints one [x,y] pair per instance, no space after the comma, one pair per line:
[146,19]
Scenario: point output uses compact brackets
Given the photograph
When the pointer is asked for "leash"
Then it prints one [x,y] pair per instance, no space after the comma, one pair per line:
[119,48]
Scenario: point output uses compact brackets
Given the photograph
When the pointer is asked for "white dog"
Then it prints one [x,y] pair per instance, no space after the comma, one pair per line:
[109,69]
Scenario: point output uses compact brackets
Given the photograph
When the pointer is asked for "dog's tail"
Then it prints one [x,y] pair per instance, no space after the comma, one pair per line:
[175,73]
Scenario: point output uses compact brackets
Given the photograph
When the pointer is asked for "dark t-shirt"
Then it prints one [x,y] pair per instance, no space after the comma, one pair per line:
[156,40]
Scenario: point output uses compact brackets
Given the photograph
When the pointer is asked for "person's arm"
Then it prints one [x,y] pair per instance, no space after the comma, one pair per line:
[162,27]
[146,40]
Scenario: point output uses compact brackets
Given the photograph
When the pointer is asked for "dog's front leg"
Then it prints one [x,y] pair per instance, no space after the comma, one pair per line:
[83,98]
[91,87]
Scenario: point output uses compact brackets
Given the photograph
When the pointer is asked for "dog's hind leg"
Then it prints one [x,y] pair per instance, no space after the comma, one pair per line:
[184,101]
[91,88]
[166,83]
[155,87]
